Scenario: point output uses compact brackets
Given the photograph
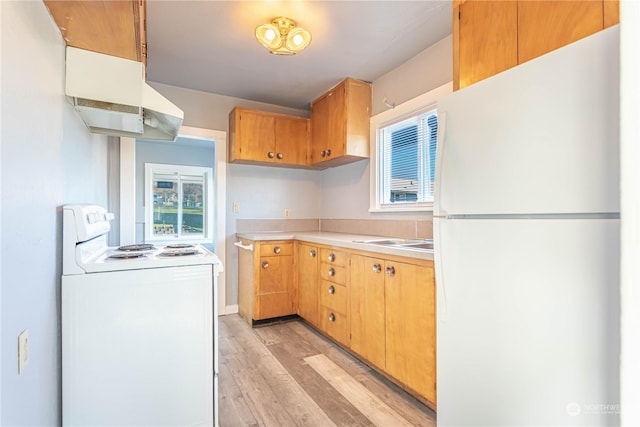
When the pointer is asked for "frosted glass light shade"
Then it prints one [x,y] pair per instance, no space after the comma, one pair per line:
[282,37]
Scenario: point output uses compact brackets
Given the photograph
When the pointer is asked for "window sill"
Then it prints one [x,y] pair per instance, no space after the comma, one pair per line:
[403,209]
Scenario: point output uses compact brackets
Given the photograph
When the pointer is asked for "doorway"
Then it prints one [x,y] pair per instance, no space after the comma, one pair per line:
[192,142]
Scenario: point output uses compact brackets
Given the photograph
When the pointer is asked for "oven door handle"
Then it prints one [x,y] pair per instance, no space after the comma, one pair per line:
[248,247]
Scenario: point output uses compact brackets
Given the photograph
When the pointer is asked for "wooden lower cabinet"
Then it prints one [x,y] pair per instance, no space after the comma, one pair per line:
[266,286]
[410,326]
[366,291]
[392,314]
[308,293]
[334,297]
[381,308]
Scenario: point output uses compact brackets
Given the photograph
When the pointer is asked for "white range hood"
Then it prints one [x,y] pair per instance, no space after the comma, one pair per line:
[112,97]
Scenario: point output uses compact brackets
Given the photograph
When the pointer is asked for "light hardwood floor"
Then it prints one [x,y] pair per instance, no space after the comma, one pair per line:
[286,374]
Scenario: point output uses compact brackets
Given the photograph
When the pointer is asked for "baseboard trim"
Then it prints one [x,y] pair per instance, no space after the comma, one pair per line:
[230,309]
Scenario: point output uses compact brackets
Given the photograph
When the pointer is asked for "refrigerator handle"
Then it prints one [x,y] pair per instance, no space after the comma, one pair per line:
[441,295]
[442,125]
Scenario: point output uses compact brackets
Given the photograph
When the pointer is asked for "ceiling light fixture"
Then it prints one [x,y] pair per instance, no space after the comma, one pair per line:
[282,37]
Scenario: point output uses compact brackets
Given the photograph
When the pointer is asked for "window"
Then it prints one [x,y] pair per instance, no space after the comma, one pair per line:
[407,159]
[179,202]
[404,150]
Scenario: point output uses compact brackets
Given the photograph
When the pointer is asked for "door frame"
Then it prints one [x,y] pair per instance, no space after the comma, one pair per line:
[127,214]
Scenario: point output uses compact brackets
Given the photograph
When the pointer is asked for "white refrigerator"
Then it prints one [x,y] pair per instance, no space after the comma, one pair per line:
[526,229]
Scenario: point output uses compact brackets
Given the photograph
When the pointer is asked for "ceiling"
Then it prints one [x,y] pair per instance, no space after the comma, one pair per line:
[210,45]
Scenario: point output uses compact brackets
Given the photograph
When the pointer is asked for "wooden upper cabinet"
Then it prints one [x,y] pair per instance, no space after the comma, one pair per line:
[492,36]
[340,124]
[263,137]
[544,26]
[292,139]
[611,12]
[487,41]
[116,28]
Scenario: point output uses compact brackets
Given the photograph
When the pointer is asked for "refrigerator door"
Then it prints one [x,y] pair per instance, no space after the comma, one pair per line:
[539,138]
[528,314]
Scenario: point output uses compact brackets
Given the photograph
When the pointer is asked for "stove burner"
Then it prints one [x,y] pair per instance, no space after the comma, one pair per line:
[179,252]
[138,247]
[129,255]
[179,246]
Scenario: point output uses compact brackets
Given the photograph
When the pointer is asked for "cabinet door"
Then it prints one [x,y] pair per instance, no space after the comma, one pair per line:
[320,127]
[337,137]
[611,10]
[486,39]
[328,125]
[308,304]
[255,136]
[410,326]
[275,294]
[547,25]
[367,312]
[292,140]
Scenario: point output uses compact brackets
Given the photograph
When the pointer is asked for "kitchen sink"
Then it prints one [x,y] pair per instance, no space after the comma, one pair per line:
[413,244]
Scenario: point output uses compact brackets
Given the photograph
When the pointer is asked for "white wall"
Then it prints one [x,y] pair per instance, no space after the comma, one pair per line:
[429,69]
[630,212]
[48,159]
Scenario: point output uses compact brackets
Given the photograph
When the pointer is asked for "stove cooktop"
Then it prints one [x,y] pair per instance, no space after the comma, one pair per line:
[142,256]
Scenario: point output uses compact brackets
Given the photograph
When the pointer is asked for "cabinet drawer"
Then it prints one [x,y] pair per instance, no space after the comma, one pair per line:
[333,296]
[333,273]
[276,249]
[334,257]
[335,325]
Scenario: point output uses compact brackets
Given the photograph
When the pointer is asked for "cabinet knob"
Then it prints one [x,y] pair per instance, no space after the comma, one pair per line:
[331,290]
[280,156]
[328,153]
[271,154]
[276,250]
[323,153]
[331,257]
[391,270]
[312,253]
[377,268]
[332,317]
[332,272]
[265,264]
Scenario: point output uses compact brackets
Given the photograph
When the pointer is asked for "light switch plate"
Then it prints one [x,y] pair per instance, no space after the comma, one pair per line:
[23,350]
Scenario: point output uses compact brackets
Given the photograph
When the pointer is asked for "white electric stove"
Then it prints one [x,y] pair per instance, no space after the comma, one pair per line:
[139,328]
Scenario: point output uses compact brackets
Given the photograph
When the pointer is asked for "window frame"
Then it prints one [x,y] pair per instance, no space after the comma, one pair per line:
[413,107]
[208,214]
